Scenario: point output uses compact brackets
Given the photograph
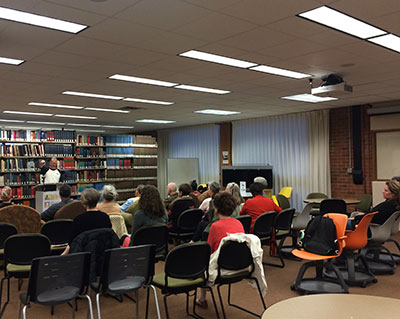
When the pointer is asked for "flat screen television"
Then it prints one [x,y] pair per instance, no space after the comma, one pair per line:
[246,174]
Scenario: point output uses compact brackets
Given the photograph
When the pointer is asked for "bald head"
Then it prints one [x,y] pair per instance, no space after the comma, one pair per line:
[171,188]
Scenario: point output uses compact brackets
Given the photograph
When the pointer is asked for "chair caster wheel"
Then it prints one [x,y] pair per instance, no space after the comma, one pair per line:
[292,287]
[375,281]
[363,285]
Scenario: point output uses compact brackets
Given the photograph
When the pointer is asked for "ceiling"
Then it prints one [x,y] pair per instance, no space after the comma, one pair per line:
[144,38]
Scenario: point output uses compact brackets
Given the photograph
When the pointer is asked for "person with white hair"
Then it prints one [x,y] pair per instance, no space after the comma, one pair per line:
[172,194]
[109,205]
[261,180]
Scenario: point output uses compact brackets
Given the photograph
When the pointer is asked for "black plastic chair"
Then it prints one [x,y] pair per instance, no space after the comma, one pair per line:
[187,224]
[6,230]
[264,229]
[283,230]
[156,235]
[283,201]
[58,231]
[19,250]
[186,269]
[332,205]
[126,270]
[246,222]
[235,256]
[57,280]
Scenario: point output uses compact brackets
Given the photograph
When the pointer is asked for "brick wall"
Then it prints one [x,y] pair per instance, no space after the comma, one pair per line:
[341,149]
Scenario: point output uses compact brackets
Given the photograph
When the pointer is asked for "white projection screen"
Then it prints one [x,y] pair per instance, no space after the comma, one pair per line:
[388,154]
[182,170]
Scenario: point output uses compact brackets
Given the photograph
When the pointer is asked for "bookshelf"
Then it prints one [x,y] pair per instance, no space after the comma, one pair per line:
[87,161]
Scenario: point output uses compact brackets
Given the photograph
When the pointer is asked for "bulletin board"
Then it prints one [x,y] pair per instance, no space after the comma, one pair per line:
[387,154]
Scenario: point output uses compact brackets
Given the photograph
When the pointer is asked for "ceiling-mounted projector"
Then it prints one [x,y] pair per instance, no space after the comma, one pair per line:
[332,85]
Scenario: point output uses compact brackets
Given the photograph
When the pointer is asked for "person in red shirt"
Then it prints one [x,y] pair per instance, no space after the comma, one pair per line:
[258,204]
[224,206]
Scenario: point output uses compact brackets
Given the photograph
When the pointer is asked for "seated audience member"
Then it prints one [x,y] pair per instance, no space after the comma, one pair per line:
[109,204]
[391,194]
[258,204]
[131,200]
[91,219]
[224,207]
[234,189]
[194,194]
[207,203]
[202,188]
[172,194]
[65,191]
[6,197]
[261,180]
[179,205]
[151,209]
[131,210]
[204,194]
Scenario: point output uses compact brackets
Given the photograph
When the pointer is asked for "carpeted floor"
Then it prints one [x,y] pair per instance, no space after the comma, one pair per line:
[278,280]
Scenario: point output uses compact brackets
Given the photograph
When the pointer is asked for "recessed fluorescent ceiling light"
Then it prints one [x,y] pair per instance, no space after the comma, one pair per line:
[342,22]
[11,61]
[389,41]
[12,121]
[27,113]
[78,124]
[278,71]
[98,131]
[309,98]
[155,121]
[141,80]
[41,21]
[56,105]
[216,112]
[50,123]
[204,56]
[76,116]
[105,110]
[115,126]
[99,96]
[131,99]
[200,89]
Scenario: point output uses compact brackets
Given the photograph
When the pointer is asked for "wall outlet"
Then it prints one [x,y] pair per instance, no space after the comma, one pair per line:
[350,170]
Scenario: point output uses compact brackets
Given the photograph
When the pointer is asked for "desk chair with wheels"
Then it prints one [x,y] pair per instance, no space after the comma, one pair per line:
[19,250]
[263,228]
[186,269]
[58,231]
[187,224]
[321,283]
[127,270]
[395,230]
[380,234]
[156,235]
[246,222]
[235,256]
[56,280]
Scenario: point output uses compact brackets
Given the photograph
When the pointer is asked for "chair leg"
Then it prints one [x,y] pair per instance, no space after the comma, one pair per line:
[137,303]
[273,244]
[338,275]
[220,301]
[244,309]
[213,299]
[90,309]
[1,293]
[166,306]
[155,300]
[98,305]
[24,312]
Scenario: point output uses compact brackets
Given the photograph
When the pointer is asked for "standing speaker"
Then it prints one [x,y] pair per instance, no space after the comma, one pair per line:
[357,145]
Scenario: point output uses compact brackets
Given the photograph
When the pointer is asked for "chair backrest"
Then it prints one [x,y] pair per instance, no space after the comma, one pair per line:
[246,222]
[188,261]
[6,230]
[20,249]
[26,219]
[381,233]
[156,235]
[365,203]
[340,221]
[264,224]
[395,227]
[118,225]
[316,195]
[70,210]
[129,262]
[358,238]
[58,231]
[286,191]
[283,201]
[283,220]
[301,221]
[332,205]
[234,256]
[59,278]
[189,219]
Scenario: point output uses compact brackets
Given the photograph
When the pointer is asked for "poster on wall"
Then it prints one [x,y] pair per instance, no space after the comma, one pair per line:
[50,198]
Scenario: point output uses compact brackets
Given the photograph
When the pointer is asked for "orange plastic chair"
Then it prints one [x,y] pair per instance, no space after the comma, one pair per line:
[357,240]
[321,283]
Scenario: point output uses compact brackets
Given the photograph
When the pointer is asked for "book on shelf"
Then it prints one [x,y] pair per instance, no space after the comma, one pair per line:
[118,139]
[89,140]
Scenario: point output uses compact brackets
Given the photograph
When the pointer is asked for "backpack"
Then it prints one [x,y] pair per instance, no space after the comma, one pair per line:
[320,236]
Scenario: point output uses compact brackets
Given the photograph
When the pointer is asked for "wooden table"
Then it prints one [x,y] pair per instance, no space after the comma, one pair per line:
[335,306]
[348,201]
